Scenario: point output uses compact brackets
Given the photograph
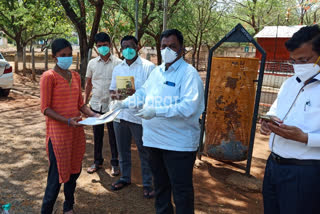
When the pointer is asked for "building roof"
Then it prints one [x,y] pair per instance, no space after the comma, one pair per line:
[278,31]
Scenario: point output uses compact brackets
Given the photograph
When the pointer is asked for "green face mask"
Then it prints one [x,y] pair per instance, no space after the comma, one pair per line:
[129,53]
[103,50]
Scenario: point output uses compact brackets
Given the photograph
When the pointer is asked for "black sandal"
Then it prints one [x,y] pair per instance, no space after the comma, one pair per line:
[148,192]
[93,168]
[115,186]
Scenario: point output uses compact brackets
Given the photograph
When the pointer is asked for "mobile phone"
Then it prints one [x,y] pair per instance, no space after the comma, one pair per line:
[269,118]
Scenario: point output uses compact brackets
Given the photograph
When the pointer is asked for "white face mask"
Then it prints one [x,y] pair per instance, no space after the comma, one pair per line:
[168,55]
[306,71]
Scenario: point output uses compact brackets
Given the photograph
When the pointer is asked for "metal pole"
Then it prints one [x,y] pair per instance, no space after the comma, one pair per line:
[165,13]
[137,18]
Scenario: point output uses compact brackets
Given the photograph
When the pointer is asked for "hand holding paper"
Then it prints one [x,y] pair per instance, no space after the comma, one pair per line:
[116,104]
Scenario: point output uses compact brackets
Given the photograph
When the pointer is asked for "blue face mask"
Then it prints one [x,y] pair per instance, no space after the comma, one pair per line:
[103,50]
[129,53]
[64,62]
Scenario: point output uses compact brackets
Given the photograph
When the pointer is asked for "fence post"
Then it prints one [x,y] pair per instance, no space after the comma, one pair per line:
[46,59]
[33,66]
[77,65]
[16,65]
[24,61]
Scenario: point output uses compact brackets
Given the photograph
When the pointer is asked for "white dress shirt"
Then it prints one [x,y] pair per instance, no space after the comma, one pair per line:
[140,70]
[304,114]
[100,73]
[178,98]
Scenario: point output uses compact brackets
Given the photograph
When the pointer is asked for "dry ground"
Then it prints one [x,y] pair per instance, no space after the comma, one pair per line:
[219,187]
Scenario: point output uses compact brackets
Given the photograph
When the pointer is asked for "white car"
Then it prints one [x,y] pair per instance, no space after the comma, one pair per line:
[6,77]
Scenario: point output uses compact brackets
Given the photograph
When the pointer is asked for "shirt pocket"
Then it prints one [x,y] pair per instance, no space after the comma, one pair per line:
[170,94]
[312,113]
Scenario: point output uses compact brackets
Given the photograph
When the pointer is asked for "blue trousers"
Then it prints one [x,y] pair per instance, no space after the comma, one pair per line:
[291,189]
[53,187]
[124,132]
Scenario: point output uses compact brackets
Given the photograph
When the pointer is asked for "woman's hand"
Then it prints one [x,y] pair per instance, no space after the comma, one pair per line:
[73,122]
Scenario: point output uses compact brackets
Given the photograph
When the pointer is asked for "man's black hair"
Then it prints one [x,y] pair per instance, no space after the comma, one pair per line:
[129,37]
[304,35]
[102,37]
[316,44]
[175,32]
[59,44]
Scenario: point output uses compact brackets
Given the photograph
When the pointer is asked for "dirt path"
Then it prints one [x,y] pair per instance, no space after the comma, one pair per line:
[219,187]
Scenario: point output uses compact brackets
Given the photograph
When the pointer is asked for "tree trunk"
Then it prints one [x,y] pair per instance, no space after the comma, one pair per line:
[158,46]
[19,50]
[198,51]
[84,56]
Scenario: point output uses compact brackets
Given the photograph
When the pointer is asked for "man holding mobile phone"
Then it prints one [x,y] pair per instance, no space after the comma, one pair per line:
[291,181]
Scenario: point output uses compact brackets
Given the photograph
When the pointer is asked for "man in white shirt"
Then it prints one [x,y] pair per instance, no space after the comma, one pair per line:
[172,100]
[291,181]
[98,79]
[129,125]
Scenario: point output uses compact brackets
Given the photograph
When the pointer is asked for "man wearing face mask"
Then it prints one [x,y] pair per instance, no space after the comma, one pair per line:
[291,181]
[128,124]
[173,100]
[98,79]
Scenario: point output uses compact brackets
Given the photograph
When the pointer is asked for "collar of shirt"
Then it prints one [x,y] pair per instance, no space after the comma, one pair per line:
[174,67]
[109,60]
[138,61]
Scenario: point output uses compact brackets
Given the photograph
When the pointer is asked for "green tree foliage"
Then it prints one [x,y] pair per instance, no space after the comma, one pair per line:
[256,13]
[200,26]
[26,20]
[78,11]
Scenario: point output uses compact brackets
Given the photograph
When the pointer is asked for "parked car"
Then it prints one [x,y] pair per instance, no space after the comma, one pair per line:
[6,77]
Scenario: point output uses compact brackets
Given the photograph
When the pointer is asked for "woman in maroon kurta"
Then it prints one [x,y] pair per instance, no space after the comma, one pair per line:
[62,102]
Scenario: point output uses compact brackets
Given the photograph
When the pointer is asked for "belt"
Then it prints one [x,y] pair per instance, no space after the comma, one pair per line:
[292,161]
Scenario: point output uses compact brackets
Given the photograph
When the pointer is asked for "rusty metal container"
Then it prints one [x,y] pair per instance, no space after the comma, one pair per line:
[230,107]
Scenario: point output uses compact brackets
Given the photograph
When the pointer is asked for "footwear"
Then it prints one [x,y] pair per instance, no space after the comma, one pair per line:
[115,170]
[93,168]
[148,192]
[119,185]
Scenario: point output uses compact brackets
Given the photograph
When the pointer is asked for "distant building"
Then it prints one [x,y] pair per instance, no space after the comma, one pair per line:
[273,38]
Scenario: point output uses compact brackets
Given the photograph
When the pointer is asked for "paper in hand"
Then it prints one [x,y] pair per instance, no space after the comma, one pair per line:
[105,118]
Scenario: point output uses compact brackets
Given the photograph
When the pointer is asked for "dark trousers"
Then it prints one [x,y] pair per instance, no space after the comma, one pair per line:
[291,189]
[172,172]
[98,133]
[53,186]
[124,132]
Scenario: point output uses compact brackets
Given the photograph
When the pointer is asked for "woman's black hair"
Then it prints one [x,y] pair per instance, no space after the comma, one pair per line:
[175,32]
[304,35]
[102,37]
[59,44]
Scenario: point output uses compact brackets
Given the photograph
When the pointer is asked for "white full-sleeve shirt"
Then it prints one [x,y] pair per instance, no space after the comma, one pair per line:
[178,98]
[140,69]
[304,114]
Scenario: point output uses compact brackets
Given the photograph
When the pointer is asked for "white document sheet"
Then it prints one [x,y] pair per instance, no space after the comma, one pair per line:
[105,118]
